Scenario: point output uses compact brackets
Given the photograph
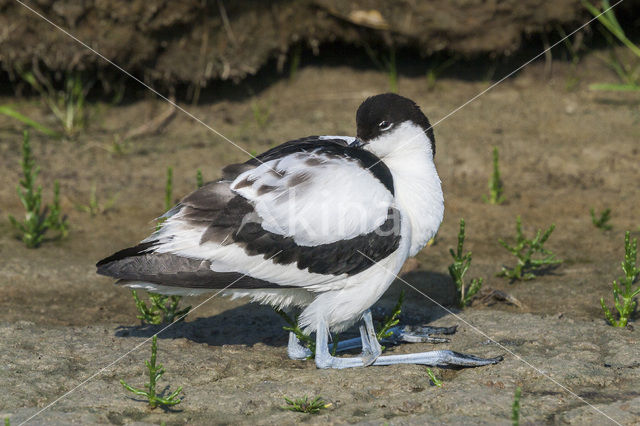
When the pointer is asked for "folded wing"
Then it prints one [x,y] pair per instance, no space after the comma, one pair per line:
[297,216]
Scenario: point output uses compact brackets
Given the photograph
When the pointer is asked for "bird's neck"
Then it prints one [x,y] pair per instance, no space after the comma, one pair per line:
[418,191]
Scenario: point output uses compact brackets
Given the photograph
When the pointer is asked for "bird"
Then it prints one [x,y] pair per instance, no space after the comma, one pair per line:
[322,224]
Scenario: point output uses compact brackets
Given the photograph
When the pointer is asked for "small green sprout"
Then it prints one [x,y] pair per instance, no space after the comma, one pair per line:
[68,104]
[436,382]
[601,222]
[335,342]
[261,114]
[7,422]
[38,220]
[294,62]
[392,320]
[627,73]
[459,267]
[436,70]
[35,224]
[155,372]
[199,179]
[119,146]
[524,250]
[10,112]
[304,338]
[305,405]
[163,309]
[515,408]
[293,327]
[625,307]
[496,187]
[56,220]
[385,64]
[572,52]
[94,207]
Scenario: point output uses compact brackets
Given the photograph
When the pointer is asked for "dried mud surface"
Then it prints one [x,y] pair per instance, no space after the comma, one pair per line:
[562,152]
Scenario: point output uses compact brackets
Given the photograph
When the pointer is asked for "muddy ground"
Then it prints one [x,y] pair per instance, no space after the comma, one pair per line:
[563,148]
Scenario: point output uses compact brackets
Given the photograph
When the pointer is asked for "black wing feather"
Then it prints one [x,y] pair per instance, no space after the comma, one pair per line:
[175,271]
[229,215]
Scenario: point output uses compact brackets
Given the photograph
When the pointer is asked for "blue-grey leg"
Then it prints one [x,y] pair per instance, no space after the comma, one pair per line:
[371,348]
[347,345]
[368,341]
[295,349]
[298,351]
[402,334]
[418,334]
[444,358]
[370,351]
[324,359]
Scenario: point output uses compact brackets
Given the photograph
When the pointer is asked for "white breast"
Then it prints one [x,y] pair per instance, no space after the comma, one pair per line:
[418,191]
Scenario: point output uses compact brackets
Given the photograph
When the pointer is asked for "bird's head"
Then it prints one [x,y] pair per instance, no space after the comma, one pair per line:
[388,122]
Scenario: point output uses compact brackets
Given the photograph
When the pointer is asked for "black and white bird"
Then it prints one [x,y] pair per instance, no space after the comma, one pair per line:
[322,223]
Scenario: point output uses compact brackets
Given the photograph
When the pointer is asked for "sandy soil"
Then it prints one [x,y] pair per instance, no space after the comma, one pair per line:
[562,152]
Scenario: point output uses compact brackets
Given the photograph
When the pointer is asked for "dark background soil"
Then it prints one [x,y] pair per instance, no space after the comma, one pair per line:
[191,42]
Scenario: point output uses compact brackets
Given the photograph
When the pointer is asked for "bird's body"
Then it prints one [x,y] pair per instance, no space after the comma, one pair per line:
[321,223]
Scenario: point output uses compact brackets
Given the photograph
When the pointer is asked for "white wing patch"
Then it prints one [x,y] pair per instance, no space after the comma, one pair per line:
[348,139]
[315,198]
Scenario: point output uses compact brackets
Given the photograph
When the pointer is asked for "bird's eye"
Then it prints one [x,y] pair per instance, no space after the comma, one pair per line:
[384,125]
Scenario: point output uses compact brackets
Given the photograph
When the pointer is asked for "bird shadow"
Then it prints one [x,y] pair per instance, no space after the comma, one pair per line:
[428,296]
[251,323]
[243,325]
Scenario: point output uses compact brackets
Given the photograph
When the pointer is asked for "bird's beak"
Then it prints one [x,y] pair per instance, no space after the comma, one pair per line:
[357,143]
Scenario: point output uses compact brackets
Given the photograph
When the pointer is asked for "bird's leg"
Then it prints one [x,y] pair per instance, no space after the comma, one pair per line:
[402,334]
[432,358]
[324,359]
[298,351]
[347,345]
[368,340]
[371,348]
[295,349]
[418,334]
[444,358]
